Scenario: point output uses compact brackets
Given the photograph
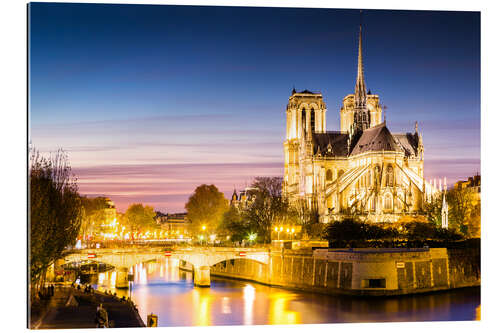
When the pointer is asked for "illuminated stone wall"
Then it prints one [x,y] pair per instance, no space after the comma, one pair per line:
[361,272]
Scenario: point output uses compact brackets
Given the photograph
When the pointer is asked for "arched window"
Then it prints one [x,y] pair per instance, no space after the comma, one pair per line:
[390,176]
[329,175]
[388,201]
[372,203]
[304,119]
[341,172]
[313,118]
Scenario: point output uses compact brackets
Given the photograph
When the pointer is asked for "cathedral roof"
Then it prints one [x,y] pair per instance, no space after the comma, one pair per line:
[409,142]
[331,143]
[376,138]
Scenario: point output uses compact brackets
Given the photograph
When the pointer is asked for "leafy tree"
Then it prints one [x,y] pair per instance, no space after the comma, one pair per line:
[461,205]
[93,215]
[474,221]
[205,207]
[267,207]
[234,226]
[432,210]
[351,231]
[139,218]
[55,212]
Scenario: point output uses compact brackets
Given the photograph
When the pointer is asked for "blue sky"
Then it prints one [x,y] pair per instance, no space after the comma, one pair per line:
[151,101]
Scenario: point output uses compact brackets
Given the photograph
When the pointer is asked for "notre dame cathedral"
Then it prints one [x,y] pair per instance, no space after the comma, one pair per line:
[363,169]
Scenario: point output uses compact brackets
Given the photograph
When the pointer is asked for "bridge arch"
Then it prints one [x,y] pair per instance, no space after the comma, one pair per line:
[201,259]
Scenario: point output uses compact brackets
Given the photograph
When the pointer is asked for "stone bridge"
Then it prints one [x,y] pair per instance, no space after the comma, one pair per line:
[200,257]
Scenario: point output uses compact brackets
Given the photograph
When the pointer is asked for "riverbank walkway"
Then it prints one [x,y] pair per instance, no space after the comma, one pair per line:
[72,308]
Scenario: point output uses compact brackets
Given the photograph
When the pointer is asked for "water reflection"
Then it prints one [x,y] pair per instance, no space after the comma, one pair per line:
[160,287]
[249,298]
[279,313]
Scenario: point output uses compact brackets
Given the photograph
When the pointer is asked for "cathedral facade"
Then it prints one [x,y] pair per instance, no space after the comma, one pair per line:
[363,169]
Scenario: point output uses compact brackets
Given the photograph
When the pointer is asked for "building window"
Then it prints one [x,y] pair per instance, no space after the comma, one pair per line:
[329,175]
[304,120]
[313,119]
[390,176]
[388,202]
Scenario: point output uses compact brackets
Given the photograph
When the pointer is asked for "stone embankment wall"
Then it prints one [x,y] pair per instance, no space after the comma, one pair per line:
[361,271]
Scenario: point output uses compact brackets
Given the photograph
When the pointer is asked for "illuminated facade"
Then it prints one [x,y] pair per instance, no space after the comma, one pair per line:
[244,198]
[109,226]
[174,226]
[363,169]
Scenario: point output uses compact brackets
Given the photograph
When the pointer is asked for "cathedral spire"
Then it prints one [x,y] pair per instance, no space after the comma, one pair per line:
[360,89]
[361,114]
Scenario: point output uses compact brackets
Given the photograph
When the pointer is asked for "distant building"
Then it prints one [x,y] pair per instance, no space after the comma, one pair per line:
[110,212]
[473,183]
[175,226]
[242,199]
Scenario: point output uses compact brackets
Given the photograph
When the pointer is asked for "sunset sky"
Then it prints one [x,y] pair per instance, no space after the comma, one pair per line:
[152,101]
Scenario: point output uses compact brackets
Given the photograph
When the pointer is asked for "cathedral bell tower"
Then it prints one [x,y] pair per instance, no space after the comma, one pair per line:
[305,115]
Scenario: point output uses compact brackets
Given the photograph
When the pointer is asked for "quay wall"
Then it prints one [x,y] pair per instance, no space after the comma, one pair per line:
[375,272]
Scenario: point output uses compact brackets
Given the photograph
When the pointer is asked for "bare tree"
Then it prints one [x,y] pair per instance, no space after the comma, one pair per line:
[55,212]
[267,206]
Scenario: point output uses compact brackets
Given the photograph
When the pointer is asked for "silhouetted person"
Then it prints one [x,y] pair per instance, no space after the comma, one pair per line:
[101,317]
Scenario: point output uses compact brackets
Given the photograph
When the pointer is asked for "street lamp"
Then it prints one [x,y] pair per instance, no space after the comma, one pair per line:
[252,237]
[203,227]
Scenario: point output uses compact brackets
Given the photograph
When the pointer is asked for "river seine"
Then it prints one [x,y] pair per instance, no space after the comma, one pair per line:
[161,288]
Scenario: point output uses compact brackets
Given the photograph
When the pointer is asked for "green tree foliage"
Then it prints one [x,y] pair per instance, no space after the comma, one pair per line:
[464,211]
[234,226]
[93,215]
[205,207]
[139,218]
[267,207]
[474,221]
[432,210]
[55,212]
[351,232]
[461,209]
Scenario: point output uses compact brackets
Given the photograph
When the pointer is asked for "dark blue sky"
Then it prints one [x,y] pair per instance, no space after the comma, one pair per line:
[132,88]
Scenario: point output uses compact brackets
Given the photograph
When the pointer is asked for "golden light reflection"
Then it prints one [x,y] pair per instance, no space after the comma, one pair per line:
[226,305]
[100,278]
[142,276]
[278,313]
[478,312]
[202,302]
[113,279]
[249,298]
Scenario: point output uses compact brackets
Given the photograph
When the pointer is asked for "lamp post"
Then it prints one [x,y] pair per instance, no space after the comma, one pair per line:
[203,228]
